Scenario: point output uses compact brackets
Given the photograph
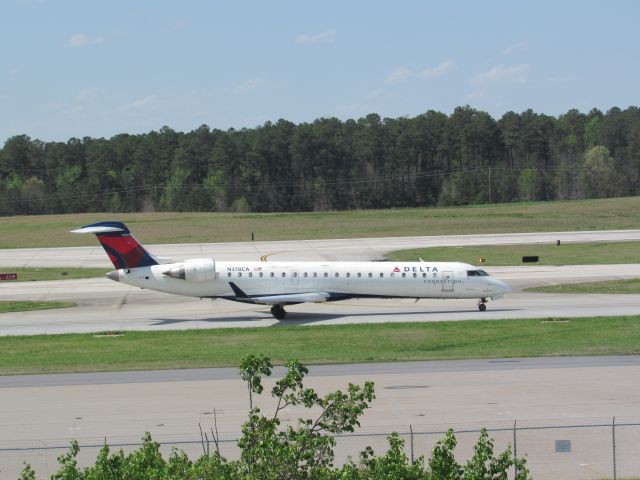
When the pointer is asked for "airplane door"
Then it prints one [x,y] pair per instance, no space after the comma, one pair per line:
[295,277]
[447,281]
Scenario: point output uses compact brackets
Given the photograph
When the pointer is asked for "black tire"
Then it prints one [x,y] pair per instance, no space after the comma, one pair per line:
[482,307]
[278,312]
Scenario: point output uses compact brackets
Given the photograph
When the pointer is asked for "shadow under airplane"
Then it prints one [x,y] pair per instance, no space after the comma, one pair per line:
[304,318]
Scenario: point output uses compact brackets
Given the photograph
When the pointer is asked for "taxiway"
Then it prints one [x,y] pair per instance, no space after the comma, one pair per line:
[40,414]
[106,306]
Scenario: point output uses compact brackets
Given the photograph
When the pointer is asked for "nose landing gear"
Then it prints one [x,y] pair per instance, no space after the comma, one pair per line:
[278,312]
[482,304]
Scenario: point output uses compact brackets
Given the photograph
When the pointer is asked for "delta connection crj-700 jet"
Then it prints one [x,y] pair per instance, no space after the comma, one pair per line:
[288,283]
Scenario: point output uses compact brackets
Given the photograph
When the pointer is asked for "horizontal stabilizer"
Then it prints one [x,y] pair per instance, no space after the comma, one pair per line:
[97,229]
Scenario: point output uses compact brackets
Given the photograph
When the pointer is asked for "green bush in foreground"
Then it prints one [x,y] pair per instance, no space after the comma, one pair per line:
[302,452]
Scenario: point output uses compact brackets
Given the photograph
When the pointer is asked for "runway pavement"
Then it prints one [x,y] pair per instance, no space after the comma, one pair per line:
[41,414]
[355,249]
[106,305]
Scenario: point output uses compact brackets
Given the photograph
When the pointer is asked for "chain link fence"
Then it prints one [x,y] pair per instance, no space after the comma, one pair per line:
[606,450]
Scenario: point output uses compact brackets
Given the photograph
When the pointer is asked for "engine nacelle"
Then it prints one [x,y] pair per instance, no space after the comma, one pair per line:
[198,270]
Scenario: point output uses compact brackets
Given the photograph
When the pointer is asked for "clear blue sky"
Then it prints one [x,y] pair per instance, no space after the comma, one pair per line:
[72,68]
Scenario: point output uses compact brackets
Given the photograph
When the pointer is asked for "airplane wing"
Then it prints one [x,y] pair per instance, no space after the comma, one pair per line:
[283,299]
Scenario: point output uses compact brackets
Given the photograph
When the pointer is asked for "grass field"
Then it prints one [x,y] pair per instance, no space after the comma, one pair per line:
[325,344]
[502,255]
[53,230]
[631,286]
[10,306]
[35,274]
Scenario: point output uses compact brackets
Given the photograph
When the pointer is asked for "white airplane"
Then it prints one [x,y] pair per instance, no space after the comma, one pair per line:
[288,283]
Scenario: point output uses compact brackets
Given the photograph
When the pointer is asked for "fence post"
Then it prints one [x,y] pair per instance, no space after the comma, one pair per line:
[411,441]
[515,447]
[613,435]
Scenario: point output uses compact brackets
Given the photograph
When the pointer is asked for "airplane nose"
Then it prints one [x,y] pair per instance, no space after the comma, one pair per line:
[499,286]
[114,275]
[504,287]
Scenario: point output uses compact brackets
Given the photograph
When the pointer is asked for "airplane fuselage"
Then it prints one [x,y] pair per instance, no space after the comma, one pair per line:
[326,280]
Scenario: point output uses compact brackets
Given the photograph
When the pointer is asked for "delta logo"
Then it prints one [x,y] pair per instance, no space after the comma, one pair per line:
[421,268]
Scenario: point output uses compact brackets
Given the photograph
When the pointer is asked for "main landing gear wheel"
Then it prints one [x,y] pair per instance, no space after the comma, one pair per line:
[482,304]
[278,312]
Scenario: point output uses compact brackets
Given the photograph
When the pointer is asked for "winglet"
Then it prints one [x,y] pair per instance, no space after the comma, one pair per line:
[238,292]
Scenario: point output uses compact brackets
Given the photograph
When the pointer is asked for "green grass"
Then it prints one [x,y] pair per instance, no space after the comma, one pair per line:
[501,255]
[631,286]
[53,230]
[10,306]
[35,274]
[322,344]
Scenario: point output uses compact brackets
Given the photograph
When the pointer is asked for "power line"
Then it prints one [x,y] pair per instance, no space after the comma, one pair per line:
[247,186]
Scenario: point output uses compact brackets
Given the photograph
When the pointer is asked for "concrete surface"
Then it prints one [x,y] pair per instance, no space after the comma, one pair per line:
[41,414]
[335,249]
[106,305]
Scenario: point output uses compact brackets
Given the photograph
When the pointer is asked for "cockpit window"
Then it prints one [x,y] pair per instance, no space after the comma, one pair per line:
[477,273]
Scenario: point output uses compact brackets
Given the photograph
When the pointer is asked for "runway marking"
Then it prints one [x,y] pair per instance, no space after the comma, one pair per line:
[265,257]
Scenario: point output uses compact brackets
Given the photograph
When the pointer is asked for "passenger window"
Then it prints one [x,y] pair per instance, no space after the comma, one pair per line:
[260,274]
[392,274]
[435,275]
[228,274]
[424,275]
[404,275]
[359,274]
[250,274]
[284,274]
[348,274]
[370,275]
[271,274]
[326,274]
[337,274]
[239,274]
[295,274]
[381,275]
[315,274]
[304,274]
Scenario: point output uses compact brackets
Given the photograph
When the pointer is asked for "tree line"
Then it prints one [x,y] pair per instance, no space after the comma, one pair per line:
[463,158]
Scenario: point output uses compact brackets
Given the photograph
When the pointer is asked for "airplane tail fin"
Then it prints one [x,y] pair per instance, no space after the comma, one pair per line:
[123,249]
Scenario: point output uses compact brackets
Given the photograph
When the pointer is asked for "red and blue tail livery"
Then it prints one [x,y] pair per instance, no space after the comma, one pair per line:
[123,249]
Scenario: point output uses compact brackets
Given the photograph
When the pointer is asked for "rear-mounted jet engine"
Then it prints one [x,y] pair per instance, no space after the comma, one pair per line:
[200,270]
